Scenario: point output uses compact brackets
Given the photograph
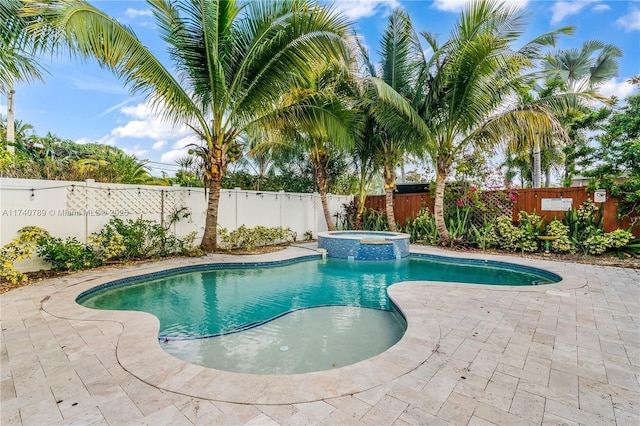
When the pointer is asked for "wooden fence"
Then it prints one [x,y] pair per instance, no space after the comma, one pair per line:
[407,206]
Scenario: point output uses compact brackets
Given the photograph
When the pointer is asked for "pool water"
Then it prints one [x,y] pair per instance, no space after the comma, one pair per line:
[259,316]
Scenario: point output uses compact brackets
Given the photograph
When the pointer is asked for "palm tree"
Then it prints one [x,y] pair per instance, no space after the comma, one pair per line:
[399,65]
[459,95]
[570,71]
[317,117]
[231,64]
[17,57]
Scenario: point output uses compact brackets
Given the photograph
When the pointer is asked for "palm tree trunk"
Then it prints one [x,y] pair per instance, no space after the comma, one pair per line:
[438,208]
[210,237]
[389,186]
[360,211]
[547,177]
[321,181]
[537,168]
[11,134]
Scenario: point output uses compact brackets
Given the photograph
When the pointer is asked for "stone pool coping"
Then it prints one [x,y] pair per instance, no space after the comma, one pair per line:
[139,353]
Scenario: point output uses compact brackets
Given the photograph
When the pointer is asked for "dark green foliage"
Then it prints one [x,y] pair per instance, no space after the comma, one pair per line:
[248,239]
[579,153]
[271,182]
[372,220]
[619,156]
[631,249]
[144,239]
[67,255]
[583,222]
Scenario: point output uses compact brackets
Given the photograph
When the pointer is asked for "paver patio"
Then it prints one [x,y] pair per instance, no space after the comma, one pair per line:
[566,353]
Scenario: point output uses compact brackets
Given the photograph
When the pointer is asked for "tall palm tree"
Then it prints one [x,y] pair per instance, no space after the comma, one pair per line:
[18,60]
[460,96]
[570,71]
[232,62]
[399,66]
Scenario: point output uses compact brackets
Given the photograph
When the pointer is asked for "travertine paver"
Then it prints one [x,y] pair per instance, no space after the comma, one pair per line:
[567,353]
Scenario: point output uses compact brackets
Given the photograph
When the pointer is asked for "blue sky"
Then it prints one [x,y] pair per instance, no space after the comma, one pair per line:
[81,102]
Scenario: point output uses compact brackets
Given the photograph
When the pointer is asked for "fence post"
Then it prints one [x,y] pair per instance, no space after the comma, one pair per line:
[235,223]
[162,208]
[87,207]
[281,198]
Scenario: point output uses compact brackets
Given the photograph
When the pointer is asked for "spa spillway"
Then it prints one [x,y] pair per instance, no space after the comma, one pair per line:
[364,245]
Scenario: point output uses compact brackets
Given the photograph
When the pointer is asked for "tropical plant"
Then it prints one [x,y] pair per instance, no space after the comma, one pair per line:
[385,131]
[365,153]
[18,57]
[422,228]
[68,254]
[618,155]
[234,62]
[631,249]
[560,231]
[249,239]
[325,125]
[458,95]
[138,239]
[20,248]
[584,222]
[569,71]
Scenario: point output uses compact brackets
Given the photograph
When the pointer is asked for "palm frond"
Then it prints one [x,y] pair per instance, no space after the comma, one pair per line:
[90,33]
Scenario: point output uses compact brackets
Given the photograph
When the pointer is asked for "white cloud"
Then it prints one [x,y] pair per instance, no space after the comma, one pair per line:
[450,5]
[134,13]
[562,9]
[181,143]
[620,89]
[136,150]
[458,5]
[170,157]
[179,149]
[3,109]
[159,145]
[356,9]
[83,141]
[147,124]
[107,140]
[601,8]
[630,21]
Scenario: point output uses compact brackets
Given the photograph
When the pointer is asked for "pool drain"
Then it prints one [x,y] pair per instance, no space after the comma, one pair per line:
[284,348]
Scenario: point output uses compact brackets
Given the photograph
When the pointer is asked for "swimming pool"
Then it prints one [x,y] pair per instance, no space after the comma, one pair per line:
[265,309]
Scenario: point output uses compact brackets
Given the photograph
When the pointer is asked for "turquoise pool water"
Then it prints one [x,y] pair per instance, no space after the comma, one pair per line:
[232,307]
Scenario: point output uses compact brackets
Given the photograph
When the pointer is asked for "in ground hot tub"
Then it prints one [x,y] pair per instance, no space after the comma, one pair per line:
[364,245]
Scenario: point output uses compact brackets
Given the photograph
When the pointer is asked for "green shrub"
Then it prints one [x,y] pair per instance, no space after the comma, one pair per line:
[631,249]
[373,220]
[595,244]
[507,235]
[485,236]
[141,239]
[422,228]
[107,248]
[20,248]
[530,224]
[618,238]
[67,255]
[460,228]
[562,244]
[248,239]
[583,222]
